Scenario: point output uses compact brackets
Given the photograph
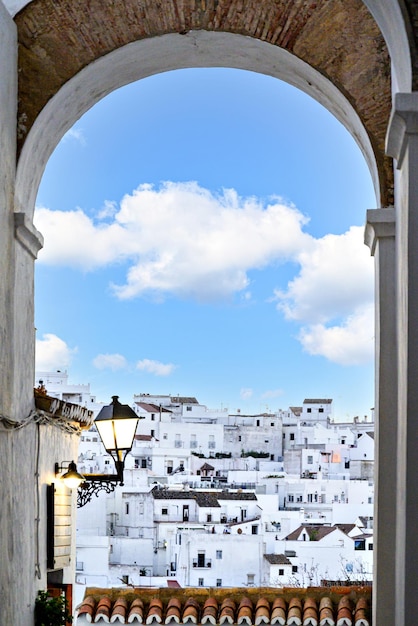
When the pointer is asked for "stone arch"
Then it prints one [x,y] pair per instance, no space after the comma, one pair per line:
[114,43]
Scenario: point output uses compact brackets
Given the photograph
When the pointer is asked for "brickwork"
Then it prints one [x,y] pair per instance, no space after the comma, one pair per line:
[339,38]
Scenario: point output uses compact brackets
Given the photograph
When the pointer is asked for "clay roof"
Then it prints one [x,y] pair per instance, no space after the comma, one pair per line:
[206,498]
[317,401]
[277,559]
[183,400]
[315,532]
[236,495]
[248,606]
[207,466]
[152,408]
[346,528]
[203,498]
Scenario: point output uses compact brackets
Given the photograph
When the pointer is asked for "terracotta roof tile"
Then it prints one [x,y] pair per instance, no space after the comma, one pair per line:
[210,611]
[245,611]
[103,609]
[278,613]
[227,614]
[333,606]
[262,612]
[191,611]
[277,559]
[136,611]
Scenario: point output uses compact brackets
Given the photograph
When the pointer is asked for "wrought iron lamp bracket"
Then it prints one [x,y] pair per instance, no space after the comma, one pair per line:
[93,485]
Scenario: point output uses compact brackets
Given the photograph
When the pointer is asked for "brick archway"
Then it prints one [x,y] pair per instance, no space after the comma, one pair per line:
[71,55]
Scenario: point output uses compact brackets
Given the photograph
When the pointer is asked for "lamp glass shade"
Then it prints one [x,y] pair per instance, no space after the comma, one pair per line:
[72,479]
[118,433]
[116,425]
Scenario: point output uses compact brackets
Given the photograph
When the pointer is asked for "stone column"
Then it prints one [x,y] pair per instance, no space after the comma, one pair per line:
[380,237]
[402,144]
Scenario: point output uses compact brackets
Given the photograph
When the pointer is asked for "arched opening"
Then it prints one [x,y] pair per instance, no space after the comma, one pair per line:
[78,314]
[192,135]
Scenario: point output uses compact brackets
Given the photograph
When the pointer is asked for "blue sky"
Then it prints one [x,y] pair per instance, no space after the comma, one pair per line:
[204,236]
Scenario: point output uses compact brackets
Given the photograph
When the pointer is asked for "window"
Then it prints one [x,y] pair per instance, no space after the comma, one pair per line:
[239,438]
[284,435]
[165,435]
[281,572]
[254,529]
[152,433]
[347,465]
[219,582]
[125,579]
[294,569]
[266,440]
[201,582]
[258,422]
[188,408]
[310,459]
[218,554]
[250,579]
[152,417]
[292,436]
[272,424]
[127,508]
[208,517]
[370,546]
[359,544]
[164,511]
[320,410]
[290,497]
[309,410]
[144,463]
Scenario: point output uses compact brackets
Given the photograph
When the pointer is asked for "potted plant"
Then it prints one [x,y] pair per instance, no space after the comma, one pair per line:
[51,611]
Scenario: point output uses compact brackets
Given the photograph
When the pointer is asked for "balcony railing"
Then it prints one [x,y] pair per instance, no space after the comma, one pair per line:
[202,564]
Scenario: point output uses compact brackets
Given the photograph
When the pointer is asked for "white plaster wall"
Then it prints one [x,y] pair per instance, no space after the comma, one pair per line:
[8,104]
[241,554]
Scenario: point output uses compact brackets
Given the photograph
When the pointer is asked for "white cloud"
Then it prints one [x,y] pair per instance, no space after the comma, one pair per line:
[336,276]
[180,239]
[246,393]
[155,367]
[113,362]
[272,393]
[76,134]
[52,353]
[185,241]
[350,343]
[333,297]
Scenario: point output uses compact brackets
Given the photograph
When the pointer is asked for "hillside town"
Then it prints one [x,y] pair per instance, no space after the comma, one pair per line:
[218,499]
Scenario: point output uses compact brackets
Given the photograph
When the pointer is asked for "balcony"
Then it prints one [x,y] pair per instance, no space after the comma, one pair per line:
[202,563]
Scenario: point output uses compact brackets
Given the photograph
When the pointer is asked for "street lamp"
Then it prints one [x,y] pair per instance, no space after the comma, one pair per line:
[116,424]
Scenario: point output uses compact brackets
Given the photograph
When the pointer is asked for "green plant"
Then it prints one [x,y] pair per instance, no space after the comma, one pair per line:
[51,611]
